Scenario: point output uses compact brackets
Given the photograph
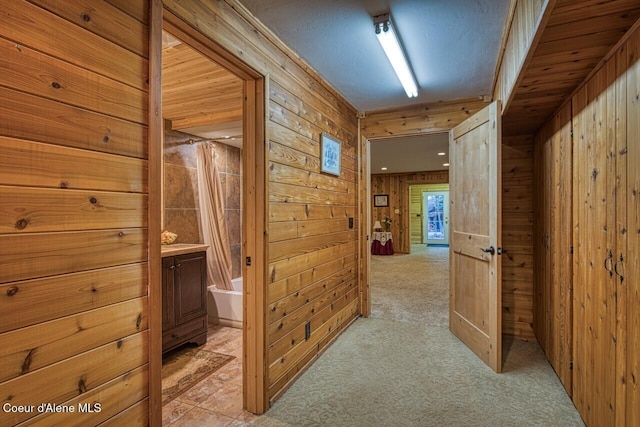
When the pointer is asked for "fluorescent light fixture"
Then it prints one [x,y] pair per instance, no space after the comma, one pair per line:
[441,154]
[383,168]
[445,164]
[391,45]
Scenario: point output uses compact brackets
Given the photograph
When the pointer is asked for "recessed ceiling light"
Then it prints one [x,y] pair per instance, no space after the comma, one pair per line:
[445,164]
[384,169]
[442,154]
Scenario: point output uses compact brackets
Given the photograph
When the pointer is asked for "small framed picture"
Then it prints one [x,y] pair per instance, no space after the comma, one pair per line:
[330,154]
[381,200]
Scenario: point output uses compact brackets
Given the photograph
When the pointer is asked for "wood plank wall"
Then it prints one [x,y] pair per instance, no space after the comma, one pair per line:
[416,213]
[521,32]
[74,303]
[517,236]
[552,244]
[597,171]
[419,119]
[397,187]
[312,252]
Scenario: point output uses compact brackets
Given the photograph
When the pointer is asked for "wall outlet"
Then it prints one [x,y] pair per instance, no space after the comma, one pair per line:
[350,222]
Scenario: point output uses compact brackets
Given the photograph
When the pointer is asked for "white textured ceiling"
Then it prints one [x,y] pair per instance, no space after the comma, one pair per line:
[452,46]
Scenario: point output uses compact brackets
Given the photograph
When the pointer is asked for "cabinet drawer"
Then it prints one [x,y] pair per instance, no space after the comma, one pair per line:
[183,333]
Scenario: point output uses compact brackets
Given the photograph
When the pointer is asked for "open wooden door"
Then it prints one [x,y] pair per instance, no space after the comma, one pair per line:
[475,269]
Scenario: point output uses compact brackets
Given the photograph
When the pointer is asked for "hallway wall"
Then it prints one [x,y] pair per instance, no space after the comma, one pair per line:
[312,251]
[75,229]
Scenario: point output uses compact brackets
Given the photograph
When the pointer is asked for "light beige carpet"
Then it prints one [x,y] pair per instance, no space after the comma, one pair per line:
[185,367]
[412,287]
[402,366]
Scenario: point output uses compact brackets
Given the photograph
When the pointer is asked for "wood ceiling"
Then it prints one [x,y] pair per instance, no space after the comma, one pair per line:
[577,37]
[199,96]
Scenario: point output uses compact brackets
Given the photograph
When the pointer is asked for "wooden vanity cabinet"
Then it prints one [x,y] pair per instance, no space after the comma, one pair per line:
[184,300]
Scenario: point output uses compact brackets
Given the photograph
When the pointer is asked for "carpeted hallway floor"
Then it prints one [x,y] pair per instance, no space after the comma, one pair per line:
[402,366]
[412,288]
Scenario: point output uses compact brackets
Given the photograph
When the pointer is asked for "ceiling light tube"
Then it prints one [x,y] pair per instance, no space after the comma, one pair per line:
[391,44]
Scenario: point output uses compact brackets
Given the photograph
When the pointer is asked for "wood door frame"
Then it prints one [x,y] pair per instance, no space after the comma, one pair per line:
[364,212]
[254,214]
[154,172]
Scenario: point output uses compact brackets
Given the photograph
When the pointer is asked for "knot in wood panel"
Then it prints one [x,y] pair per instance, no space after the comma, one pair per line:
[27,362]
[21,224]
[12,291]
[85,17]
[55,85]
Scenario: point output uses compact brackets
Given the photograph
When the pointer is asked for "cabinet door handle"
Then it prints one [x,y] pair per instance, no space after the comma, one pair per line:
[172,267]
[179,266]
[608,261]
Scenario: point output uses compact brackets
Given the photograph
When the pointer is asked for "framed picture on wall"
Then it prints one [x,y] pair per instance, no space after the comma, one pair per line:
[330,154]
[381,200]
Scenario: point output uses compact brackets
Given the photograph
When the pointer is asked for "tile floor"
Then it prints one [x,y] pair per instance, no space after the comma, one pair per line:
[215,401]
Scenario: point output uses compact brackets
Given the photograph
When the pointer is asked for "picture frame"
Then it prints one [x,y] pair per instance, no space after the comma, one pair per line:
[381,200]
[330,154]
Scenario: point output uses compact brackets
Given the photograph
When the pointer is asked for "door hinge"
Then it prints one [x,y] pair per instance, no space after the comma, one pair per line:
[247,260]
[571,132]
[571,250]
[571,365]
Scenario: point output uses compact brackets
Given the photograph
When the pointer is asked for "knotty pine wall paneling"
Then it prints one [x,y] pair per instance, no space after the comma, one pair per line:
[422,119]
[604,183]
[517,236]
[312,275]
[553,293]
[527,17]
[74,301]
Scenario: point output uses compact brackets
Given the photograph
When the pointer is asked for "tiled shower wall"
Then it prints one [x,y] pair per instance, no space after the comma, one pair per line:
[181,211]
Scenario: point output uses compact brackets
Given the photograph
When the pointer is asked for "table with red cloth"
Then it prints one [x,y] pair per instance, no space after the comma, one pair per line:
[381,243]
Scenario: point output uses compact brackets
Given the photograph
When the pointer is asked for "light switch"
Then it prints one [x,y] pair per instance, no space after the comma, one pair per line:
[397,211]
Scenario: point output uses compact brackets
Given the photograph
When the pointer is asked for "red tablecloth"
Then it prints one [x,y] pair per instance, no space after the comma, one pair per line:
[381,243]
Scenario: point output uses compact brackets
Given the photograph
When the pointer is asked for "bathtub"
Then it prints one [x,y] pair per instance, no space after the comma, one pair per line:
[225,307]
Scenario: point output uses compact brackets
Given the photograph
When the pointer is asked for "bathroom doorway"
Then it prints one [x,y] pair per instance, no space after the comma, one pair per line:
[212,99]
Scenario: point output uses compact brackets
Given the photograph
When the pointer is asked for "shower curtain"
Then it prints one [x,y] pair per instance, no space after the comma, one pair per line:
[212,219]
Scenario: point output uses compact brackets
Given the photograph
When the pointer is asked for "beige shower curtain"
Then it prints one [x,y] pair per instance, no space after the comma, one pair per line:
[212,219]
